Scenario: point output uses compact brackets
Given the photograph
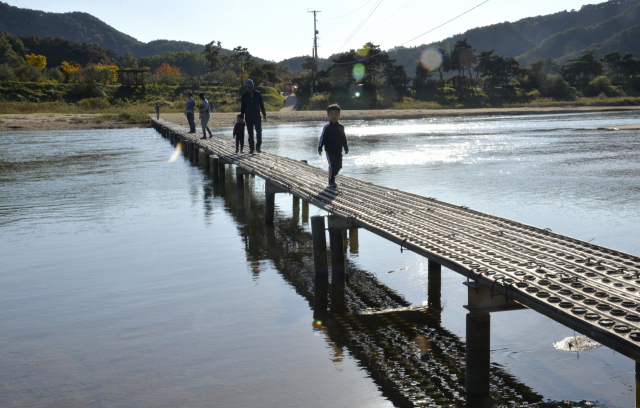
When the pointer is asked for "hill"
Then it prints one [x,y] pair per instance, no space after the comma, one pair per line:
[83,27]
[529,38]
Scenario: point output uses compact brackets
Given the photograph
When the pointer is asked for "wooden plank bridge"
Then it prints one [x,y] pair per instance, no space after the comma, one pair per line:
[508,265]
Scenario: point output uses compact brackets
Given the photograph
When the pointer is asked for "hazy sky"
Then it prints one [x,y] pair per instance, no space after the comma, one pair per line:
[280,29]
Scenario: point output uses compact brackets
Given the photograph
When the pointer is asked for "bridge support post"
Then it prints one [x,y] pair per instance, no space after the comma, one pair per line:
[478,359]
[185,148]
[353,241]
[321,286]
[270,191]
[221,173]
[207,161]
[434,285]
[190,151]
[196,153]
[336,244]
[214,170]
[240,172]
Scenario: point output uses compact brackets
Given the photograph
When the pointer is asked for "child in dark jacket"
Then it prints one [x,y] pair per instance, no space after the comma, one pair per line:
[238,133]
[333,139]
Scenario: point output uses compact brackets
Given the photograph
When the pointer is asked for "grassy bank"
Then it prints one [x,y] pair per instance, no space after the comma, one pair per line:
[470,98]
[114,101]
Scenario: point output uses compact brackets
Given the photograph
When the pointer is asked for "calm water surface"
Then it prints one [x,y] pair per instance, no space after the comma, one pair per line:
[128,280]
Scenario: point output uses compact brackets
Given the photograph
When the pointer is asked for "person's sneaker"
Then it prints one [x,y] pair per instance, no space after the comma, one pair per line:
[203,137]
[258,150]
[333,185]
[236,151]
[241,149]
[210,135]
[250,151]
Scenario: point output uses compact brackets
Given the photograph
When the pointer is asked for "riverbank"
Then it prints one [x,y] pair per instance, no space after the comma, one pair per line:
[59,121]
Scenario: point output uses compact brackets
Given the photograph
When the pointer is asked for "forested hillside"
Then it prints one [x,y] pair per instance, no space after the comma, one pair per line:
[561,31]
[83,27]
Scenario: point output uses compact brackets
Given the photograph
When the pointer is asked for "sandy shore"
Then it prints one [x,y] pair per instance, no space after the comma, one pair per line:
[56,121]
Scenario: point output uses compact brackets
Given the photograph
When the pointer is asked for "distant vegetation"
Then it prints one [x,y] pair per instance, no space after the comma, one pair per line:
[585,56]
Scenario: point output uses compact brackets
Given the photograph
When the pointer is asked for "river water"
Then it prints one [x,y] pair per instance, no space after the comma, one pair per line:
[128,279]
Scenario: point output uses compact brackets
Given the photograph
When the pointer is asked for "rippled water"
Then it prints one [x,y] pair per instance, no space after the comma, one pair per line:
[127,280]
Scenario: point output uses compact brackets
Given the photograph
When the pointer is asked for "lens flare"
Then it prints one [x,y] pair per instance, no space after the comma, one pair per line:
[357,94]
[358,72]
[175,154]
[431,59]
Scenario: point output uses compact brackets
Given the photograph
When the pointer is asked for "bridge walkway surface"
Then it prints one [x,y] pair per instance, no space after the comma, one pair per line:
[589,288]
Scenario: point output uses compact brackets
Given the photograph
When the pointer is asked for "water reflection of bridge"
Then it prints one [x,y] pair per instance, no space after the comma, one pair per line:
[508,265]
[405,350]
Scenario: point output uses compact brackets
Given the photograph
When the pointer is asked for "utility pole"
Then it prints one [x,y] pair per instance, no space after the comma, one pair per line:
[314,50]
[315,34]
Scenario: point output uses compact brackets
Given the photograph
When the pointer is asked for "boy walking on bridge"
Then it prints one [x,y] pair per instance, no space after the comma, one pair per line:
[333,139]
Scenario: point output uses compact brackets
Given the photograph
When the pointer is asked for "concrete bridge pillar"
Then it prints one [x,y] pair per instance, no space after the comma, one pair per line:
[214,170]
[434,286]
[221,172]
[321,268]
[240,172]
[207,161]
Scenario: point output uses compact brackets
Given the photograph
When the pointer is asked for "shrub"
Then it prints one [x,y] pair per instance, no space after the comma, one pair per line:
[6,73]
[84,91]
[94,104]
[534,94]
[555,86]
[28,73]
[598,86]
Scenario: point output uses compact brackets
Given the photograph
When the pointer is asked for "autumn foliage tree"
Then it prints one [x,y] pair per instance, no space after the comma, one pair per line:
[37,61]
[167,74]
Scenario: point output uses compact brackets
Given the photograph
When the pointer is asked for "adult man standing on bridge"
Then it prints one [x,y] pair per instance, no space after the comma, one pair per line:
[250,106]
[189,112]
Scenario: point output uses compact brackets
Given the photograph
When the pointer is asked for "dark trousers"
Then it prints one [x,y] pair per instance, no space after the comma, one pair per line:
[335,164]
[240,141]
[257,122]
[192,122]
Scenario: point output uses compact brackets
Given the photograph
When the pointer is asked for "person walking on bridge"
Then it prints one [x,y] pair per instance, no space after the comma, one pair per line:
[189,112]
[250,106]
[333,139]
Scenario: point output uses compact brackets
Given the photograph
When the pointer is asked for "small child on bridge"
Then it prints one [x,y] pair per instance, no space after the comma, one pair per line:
[333,139]
[238,133]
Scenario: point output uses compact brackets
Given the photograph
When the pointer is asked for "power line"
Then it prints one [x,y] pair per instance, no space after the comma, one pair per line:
[361,24]
[446,22]
[367,58]
[387,18]
[344,15]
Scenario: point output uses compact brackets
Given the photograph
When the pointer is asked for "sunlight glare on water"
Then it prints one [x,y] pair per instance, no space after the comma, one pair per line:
[129,278]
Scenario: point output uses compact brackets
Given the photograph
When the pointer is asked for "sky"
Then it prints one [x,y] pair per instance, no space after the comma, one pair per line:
[280,29]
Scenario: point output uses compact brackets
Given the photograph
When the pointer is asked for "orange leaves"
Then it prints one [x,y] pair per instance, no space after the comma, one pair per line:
[168,69]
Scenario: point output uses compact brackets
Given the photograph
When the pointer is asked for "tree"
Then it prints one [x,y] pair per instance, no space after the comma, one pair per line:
[212,55]
[8,55]
[310,64]
[242,56]
[463,57]
[70,71]
[581,69]
[128,61]
[540,68]
[37,61]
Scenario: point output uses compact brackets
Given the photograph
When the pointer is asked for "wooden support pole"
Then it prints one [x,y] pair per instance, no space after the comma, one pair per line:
[478,360]
[353,240]
[196,153]
[221,173]
[192,148]
[434,285]
[269,207]
[207,161]
[214,170]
